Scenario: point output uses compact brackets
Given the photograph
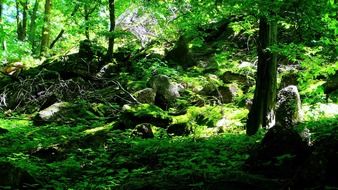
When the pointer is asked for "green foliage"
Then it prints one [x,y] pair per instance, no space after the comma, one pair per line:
[91,154]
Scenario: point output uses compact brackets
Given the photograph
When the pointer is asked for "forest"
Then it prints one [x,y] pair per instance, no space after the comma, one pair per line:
[169,94]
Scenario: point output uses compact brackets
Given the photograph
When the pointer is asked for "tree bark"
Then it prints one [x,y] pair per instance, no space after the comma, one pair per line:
[2,33]
[86,17]
[21,22]
[46,28]
[262,113]
[32,26]
[110,50]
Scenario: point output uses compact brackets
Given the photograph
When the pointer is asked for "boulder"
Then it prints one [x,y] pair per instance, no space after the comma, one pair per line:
[50,154]
[72,113]
[226,94]
[229,93]
[280,153]
[288,107]
[13,177]
[146,96]
[48,115]
[179,129]
[243,80]
[108,70]
[131,116]
[143,130]
[166,91]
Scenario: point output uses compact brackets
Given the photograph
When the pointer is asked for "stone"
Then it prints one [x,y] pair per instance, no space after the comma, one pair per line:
[15,177]
[280,153]
[178,129]
[108,70]
[47,115]
[243,80]
[50,154]
[132,115]
[143,130]
[166,91]
[228,93]
[146,96]
[288,107]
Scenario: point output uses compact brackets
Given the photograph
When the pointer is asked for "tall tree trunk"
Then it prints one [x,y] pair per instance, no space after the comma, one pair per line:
[32,26]
[24,19]
[2,33]
[18,20]
[86,17]
[46,28]
[21,22]
[262,113]
[110,50]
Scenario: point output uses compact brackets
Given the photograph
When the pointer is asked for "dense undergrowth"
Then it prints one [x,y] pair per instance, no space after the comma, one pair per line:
[206,53]
[87,157]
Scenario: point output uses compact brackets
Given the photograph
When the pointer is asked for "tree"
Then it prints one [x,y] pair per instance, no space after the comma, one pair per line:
[2,34]
[88,10]
[111,37]
[262,113]
[32,26]
[21,21]
[46,28]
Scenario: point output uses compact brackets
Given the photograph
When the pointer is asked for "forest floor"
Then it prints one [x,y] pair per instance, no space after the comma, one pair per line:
[93,146]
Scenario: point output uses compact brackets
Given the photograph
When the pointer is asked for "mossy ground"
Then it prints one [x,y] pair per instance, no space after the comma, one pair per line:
[97,157]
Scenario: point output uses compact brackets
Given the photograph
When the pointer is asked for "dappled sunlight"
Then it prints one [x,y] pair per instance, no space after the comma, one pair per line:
[320,110]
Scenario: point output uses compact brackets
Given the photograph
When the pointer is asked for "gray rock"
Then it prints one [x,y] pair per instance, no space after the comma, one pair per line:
[107,70]
[46,115]
[133,115]
[143,130]
[166,91]
[179,129]
[146,96]
[243,80]
[288,107]
[229,93]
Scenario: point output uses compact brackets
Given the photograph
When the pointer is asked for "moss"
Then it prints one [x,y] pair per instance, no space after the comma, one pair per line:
[143,113]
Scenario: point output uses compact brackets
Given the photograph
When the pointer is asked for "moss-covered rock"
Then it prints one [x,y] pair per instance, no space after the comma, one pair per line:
[179,129]
[143,113]
[242,80]
[146,96]
[72,113]
[143,130]
[288,107]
